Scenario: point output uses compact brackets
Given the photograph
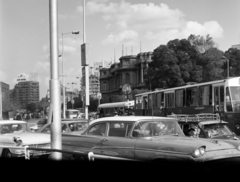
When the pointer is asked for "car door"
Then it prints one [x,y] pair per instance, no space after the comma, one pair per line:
[118,142]
[91,141]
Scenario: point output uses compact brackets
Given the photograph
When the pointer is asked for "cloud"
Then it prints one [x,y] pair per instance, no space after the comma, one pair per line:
[125,35]
[158,22]
[42,66]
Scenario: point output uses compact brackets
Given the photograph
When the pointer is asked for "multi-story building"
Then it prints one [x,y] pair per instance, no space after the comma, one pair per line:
[130,70]
[4,96]
[26,92]
[237,46]
[4,91]
[93,85]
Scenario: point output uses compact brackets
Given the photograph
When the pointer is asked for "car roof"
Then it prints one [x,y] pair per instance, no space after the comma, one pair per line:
[75,119]
[11,122]
[130,118]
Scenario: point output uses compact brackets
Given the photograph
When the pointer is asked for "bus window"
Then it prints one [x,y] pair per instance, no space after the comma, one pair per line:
[205,96]
[154,100]
[180,98]
[139,102]
[216,99]
[221,104]
[169,100]
[160,99]
[228,100]
[192,96]
[145,103]
[150,103]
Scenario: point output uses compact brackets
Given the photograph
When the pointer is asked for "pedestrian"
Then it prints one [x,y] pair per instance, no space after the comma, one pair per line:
[18,116]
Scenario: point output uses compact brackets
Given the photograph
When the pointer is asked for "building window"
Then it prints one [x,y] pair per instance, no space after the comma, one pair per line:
[127,78]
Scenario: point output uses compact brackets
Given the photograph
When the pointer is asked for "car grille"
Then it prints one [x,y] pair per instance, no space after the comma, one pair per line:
[40,146]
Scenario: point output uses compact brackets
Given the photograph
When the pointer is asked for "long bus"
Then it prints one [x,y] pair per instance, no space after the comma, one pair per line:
[111,109]
[221,96]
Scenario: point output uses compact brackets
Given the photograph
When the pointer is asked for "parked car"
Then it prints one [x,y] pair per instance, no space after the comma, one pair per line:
[147,139]
[16,133]
[205,125]
[73,126]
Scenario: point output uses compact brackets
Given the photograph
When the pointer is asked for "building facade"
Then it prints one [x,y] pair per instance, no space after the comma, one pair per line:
[26,92]
[130,70]
[4,91]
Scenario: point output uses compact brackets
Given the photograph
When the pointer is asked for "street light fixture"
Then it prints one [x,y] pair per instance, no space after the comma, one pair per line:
[223,57]
[63,80]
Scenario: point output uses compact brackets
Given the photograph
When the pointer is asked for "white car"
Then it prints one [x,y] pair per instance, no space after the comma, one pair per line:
[16,133]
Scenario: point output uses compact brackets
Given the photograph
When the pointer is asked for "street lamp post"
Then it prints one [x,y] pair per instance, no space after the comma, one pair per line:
[223,57]
[63,80]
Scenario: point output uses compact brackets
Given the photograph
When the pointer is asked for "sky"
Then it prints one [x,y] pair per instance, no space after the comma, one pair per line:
[135,25]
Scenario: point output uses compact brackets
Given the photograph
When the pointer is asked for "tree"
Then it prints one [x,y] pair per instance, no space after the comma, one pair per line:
[163,71]
[233,55]
[212,65]
[200,43]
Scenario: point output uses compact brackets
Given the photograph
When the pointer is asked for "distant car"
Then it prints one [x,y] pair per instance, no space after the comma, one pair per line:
[147,138]
[73,126]
[205,125]
[16,133]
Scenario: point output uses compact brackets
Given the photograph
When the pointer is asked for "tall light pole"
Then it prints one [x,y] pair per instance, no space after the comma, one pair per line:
[223,57]
[85,65]
[63,80]
[72,101]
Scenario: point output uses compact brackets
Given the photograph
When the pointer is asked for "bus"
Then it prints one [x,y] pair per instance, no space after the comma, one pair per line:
[110,109]
[221,96]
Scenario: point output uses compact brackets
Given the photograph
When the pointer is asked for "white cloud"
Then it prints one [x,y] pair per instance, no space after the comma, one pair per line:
[160,23]
[42,66]
[125,35]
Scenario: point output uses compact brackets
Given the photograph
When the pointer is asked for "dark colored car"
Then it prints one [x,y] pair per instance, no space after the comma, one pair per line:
[147,139]
[204,126]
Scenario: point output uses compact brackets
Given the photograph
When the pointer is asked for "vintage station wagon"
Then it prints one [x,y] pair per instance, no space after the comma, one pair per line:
[205,125]
[147,139]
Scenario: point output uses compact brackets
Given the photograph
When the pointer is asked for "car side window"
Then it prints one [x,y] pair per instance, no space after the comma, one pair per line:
[119,129]
[98,129]
[46,129]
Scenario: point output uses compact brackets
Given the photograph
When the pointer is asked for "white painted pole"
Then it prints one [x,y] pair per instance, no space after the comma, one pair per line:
[56,135]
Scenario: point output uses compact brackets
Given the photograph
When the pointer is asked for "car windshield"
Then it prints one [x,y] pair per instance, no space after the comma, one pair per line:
[216,130]
[13,128]
[77,126]
[157,128]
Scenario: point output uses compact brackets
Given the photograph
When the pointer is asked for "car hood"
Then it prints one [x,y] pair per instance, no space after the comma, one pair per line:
[27,138]
[186,144]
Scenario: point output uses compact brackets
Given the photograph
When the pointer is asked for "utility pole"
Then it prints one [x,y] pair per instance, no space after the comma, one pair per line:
[56,133]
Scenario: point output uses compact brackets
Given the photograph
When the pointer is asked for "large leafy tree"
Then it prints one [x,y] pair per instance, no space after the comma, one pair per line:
[233,55]
[201,43]
[182,61]
[163,71]
[212,63]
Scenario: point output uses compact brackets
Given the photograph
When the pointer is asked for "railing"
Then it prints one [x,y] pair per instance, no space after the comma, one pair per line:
[90,156]
[195,117]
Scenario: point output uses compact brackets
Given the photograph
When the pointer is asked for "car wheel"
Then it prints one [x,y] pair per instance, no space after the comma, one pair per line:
[44,157]
[7,153]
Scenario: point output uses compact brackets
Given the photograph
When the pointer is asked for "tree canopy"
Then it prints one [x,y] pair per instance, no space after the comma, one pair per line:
[182,61]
